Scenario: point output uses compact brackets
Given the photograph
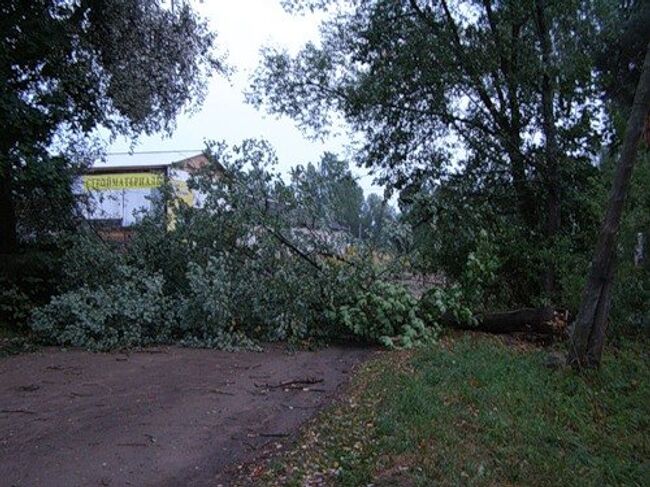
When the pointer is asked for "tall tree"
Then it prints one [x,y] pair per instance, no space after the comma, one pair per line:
[588,336]
[493,99]
[69,67]
[330,194]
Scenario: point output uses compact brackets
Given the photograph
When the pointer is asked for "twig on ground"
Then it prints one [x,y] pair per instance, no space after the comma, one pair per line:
[257,393]
[247,367]
[291,384]
[80,394]
[17,411]
[219,391]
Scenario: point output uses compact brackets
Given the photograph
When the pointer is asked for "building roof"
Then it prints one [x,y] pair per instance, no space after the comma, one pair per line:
[153,161]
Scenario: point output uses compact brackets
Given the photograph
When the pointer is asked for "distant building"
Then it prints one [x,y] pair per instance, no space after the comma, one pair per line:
[119,195]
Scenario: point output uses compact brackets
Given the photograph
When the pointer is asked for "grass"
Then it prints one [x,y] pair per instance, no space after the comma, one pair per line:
[475,411]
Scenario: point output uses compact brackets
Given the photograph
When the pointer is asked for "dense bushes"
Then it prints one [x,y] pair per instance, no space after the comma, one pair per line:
[631,297]
[455,229]
[27,280]
[130,311]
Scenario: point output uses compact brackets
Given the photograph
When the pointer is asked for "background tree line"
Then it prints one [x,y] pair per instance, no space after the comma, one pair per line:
[332,199]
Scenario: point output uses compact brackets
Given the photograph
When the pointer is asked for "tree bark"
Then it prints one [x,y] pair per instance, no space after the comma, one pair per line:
[551,152]
[545,321]
[8,238]
[588,335]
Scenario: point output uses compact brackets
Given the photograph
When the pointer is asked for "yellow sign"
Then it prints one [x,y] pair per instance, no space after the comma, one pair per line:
[130,180]
[182,194]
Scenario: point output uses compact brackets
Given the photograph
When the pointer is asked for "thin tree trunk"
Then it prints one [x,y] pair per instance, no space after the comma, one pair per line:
[525,199]
[551,152]
[8,240]
[588,336]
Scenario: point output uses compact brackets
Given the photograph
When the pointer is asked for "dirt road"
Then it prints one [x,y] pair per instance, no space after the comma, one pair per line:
[163,417]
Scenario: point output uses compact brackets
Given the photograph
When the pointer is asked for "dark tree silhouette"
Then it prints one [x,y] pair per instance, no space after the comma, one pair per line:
[588,336]
[67,68]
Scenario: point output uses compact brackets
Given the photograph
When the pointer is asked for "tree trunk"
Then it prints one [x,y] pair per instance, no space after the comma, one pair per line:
[588,335]
[523,193]
[545,321]
[639,250]
[551,152]
[8,239]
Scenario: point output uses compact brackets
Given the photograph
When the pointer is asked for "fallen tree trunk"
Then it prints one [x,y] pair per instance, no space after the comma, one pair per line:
[547,321]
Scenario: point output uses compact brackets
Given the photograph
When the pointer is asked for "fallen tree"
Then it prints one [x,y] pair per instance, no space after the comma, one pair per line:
[545,320]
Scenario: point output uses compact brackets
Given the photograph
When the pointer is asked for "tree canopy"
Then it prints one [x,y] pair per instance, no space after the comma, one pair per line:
[495,109]
[70,67]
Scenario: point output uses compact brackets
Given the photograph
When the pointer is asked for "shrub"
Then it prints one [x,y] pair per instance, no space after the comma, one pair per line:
[437,302]
[27,280]
[14,303]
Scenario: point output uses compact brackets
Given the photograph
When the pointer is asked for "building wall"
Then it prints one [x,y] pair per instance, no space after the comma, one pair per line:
[122,196]
[119,197]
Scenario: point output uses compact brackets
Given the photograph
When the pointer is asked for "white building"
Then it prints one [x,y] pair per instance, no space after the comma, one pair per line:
[123,190]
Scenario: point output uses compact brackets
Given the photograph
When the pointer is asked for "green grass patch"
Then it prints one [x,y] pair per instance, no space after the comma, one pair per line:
[475,411]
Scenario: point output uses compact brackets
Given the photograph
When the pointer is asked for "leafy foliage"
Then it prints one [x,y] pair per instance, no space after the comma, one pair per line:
[130,311]
[462,299]
[388,314]
[233,271]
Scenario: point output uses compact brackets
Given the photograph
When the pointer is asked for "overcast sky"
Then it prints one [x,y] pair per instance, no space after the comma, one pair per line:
[243,27]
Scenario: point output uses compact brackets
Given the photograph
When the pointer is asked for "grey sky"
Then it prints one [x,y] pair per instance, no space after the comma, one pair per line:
[243,27]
